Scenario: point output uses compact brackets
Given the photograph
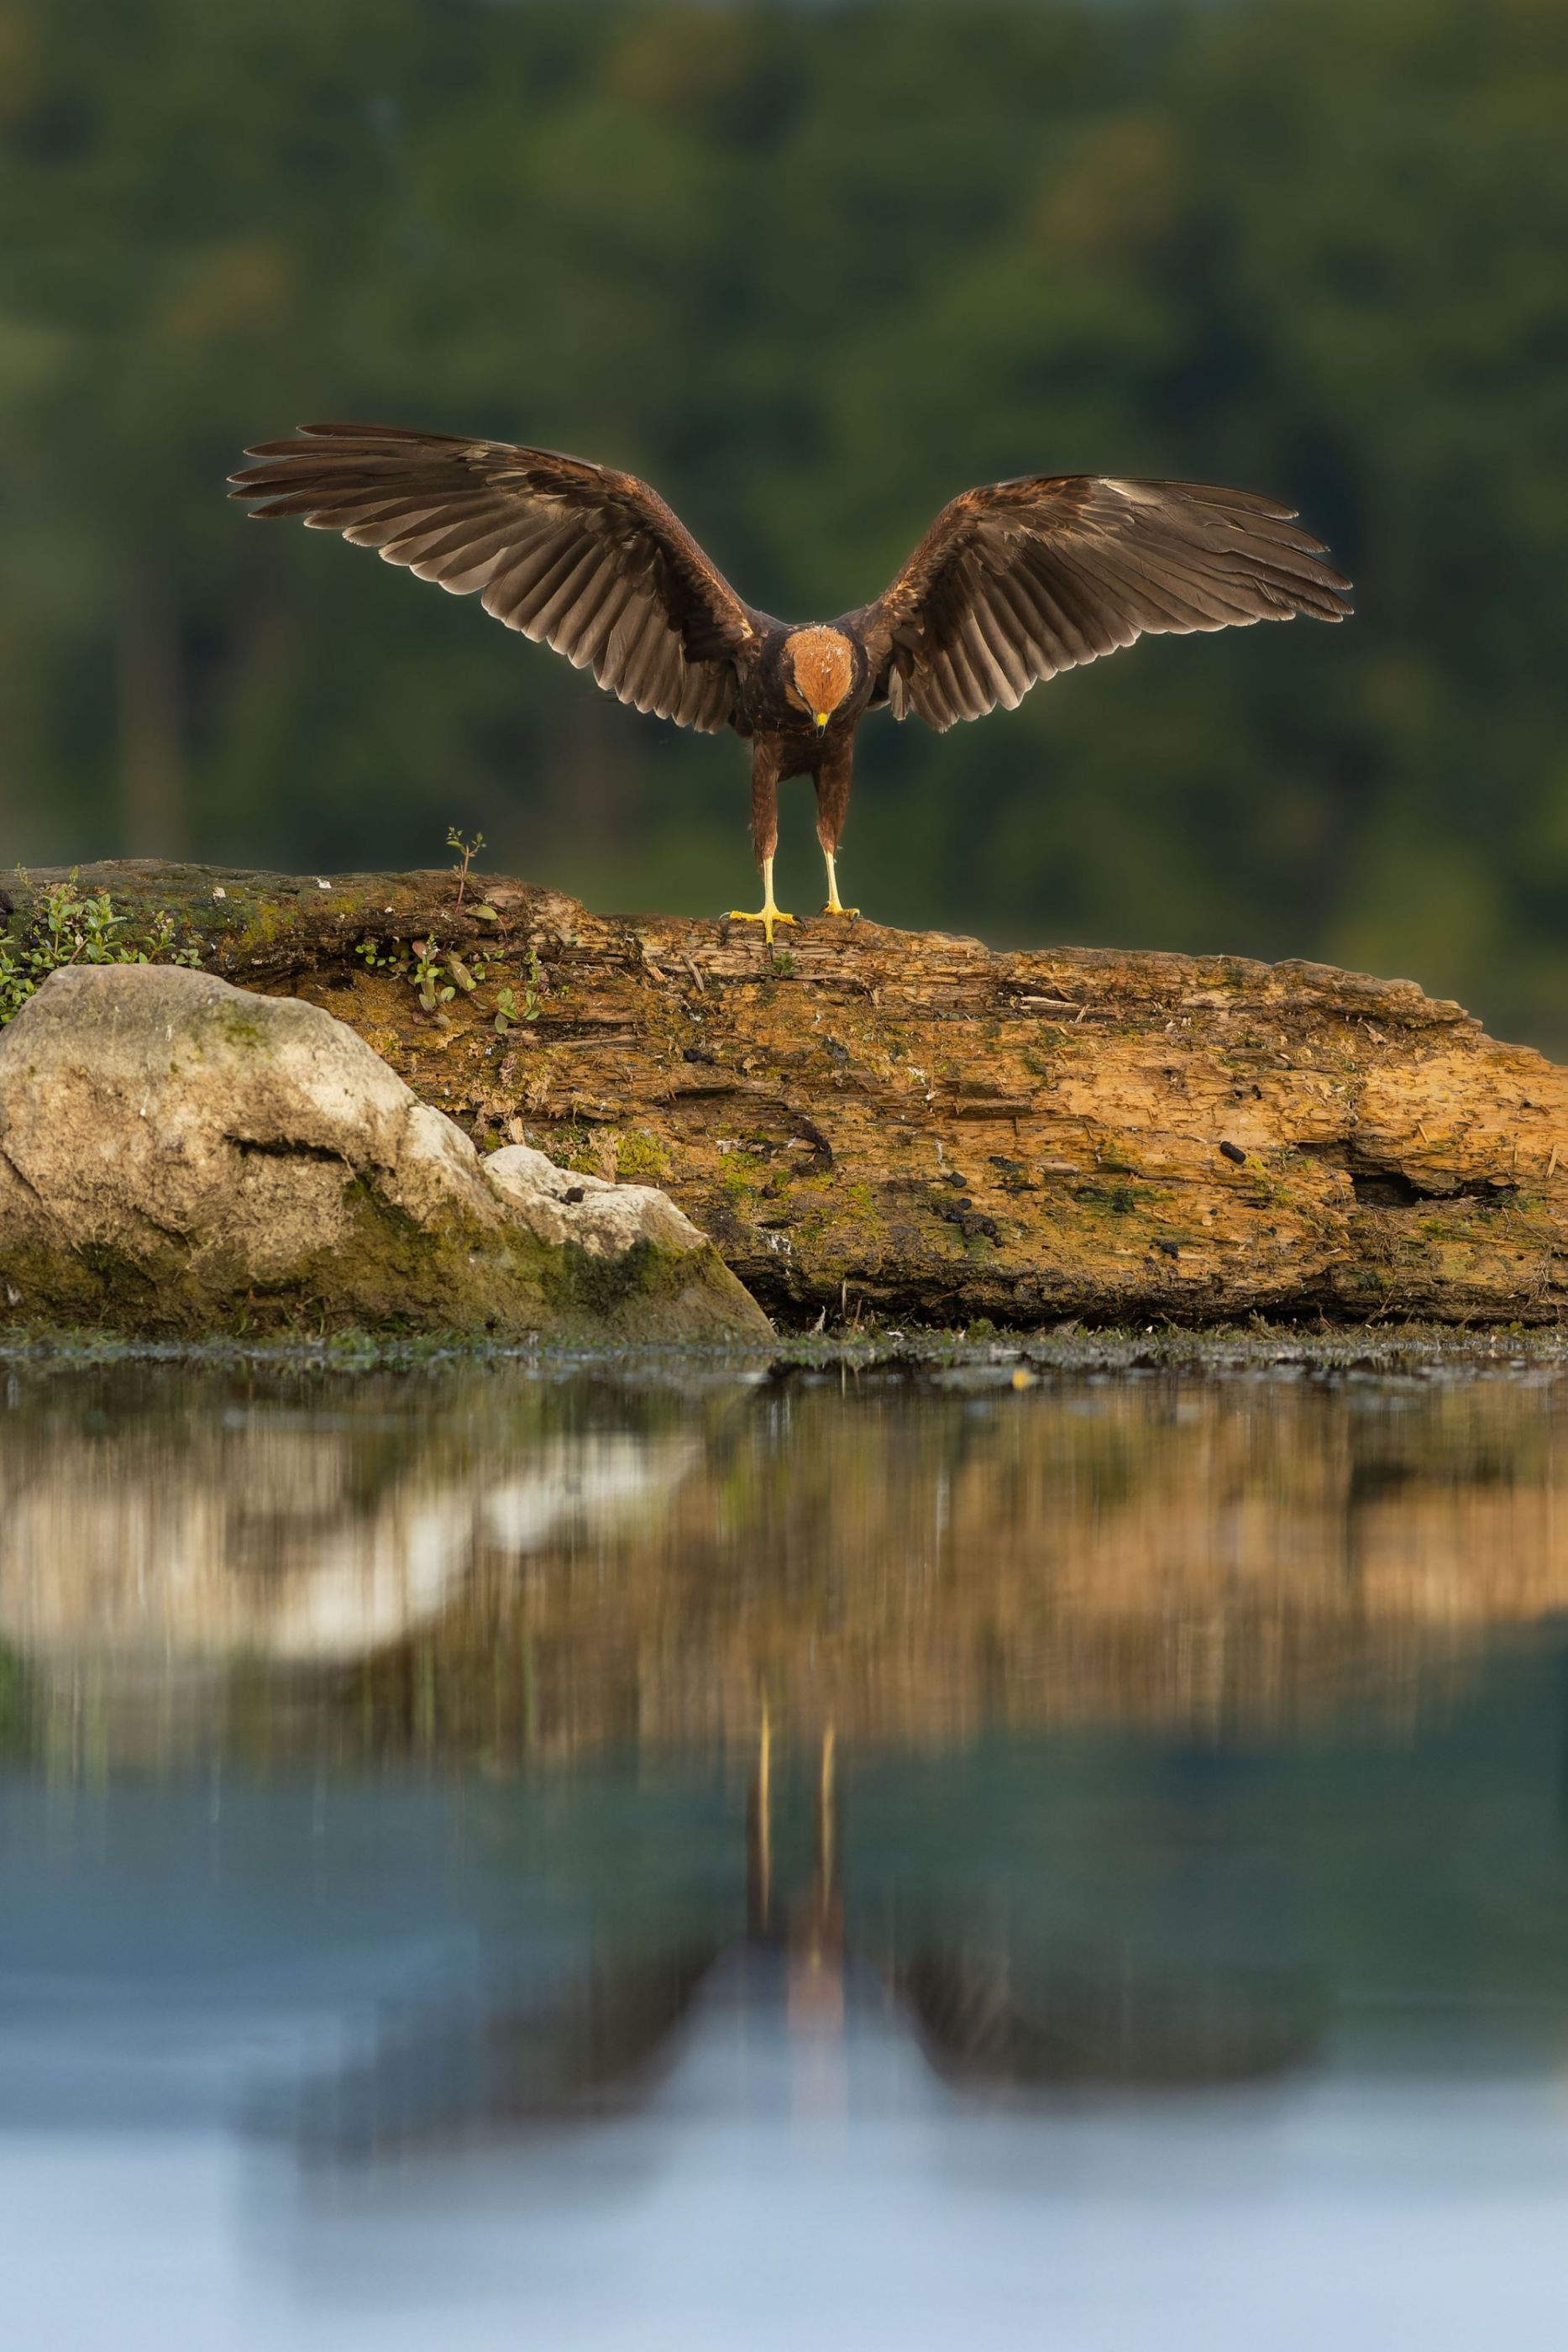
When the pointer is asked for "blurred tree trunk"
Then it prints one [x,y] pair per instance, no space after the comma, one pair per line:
[153,805]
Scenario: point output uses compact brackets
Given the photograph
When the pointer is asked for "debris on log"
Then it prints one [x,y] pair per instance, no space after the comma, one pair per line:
[911,1125]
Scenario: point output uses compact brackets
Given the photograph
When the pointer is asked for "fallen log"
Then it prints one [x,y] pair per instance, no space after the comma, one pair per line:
[913,1125]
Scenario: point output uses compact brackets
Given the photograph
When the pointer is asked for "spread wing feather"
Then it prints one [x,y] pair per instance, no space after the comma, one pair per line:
[1018,581]
[588,561]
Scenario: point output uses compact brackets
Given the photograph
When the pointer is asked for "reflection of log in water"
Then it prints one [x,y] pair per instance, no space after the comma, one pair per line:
[508,1571]
[915,1565]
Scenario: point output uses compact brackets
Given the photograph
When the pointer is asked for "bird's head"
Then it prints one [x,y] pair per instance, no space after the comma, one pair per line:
[820,665]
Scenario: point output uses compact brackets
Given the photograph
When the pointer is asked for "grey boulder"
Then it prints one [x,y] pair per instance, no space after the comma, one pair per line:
[180,1157]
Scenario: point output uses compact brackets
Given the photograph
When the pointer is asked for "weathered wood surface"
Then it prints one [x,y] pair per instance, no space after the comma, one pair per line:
[911,1124]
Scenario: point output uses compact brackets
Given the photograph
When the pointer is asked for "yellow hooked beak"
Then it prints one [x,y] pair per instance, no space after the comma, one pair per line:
[822,720]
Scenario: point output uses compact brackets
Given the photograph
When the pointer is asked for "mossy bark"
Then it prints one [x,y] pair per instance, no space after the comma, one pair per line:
[915,1125]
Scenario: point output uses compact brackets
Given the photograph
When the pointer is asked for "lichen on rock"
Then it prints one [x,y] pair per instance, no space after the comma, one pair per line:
[179,1157]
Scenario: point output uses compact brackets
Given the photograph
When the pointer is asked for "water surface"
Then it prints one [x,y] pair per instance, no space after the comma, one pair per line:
[850,1860]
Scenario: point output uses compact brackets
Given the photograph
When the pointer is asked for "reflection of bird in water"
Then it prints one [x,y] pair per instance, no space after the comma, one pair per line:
[598,2044]
[473,2073]
[809,1929]
[1012,583]
[991,2011]
[1072,2021]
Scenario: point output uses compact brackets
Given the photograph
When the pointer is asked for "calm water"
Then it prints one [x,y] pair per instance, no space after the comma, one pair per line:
[845,1863]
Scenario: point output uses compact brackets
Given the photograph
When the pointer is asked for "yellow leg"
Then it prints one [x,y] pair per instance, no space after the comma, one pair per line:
[827,1861]
[770,914]
[832,906]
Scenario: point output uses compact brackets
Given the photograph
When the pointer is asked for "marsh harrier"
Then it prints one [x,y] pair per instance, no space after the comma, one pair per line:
[1010,584]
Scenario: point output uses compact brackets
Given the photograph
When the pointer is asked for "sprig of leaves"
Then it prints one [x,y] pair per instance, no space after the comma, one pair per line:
[68,927]
[509,1013]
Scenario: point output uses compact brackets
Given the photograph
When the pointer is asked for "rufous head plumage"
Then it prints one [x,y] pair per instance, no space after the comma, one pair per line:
[822,665]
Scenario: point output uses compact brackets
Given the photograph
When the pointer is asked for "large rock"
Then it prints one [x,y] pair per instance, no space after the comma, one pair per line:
[179,1156]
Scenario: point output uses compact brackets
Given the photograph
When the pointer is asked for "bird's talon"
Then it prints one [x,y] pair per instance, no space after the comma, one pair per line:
[766,916]
[851,913]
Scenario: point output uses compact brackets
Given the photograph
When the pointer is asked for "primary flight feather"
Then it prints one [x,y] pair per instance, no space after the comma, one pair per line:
[1011,583]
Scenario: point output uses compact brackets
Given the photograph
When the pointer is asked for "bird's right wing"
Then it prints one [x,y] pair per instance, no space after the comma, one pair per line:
[1019,579]
[591,561]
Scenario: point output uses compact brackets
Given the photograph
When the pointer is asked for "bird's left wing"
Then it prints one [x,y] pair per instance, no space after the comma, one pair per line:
[591,561]
[1016,582]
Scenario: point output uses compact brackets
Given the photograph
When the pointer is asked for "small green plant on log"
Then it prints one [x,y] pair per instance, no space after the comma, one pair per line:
[436,973]
[508,1011]
[376,956]
[466,853]
[71,926]
[432,988]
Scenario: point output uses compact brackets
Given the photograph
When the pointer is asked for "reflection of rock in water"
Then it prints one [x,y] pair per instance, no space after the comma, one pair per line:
[1023,2021]
[592,1484]
[268,1544]
[137,1565]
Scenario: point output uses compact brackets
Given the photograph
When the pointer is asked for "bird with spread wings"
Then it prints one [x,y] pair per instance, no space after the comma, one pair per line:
[1011,583]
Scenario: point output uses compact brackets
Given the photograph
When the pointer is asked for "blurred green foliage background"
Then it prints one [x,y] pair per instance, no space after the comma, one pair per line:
[811,269]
